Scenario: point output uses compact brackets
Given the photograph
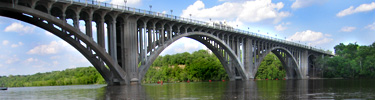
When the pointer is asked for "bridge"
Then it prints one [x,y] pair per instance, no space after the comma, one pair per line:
[136,37]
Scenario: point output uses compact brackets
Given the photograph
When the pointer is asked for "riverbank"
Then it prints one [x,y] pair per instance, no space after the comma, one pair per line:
[74,76]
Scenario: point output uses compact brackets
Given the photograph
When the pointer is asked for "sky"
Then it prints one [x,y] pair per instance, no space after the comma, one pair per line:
[26,49]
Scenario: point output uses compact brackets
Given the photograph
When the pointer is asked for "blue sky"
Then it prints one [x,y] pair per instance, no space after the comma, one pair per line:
[27,49]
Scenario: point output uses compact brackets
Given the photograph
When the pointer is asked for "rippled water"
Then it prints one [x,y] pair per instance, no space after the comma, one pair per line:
[246,90]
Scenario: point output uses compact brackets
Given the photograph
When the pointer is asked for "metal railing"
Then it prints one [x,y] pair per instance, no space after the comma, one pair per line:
[127,9]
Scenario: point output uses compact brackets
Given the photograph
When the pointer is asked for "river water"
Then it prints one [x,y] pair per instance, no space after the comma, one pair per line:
[242,90]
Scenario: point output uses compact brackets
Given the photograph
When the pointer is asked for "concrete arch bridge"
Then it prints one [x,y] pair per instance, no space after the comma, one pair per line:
[136,37]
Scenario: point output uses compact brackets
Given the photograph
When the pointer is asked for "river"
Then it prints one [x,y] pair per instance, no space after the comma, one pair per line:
[242,90]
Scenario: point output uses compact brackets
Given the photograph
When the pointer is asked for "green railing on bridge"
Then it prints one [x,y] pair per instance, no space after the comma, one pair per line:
[122,8]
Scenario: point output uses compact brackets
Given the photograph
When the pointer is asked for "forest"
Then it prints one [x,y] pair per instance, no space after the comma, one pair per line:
[75,76]
[350,61]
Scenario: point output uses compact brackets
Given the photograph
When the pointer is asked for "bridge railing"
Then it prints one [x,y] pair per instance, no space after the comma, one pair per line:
[186,20]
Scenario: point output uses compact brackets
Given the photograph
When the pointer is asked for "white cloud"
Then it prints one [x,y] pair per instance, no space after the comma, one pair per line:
[347,29]
[305,3]
[183,45]
[247,11]
[30,60]
[53,48]
[128,3]
[48,33]
[12,59]
[282,26]
[314,38]
[5,42]
[371,26]
[18,27]
[360,8]
[17,45]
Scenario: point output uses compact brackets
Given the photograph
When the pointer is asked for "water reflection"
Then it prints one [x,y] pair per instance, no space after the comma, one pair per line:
[241,90]
[126,92]
[249,90]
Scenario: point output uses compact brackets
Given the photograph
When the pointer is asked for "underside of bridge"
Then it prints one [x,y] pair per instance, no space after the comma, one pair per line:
[137,37]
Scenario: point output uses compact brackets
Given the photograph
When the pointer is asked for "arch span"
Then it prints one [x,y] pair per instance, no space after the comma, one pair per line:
[88,48]
[210,41]
[287,59]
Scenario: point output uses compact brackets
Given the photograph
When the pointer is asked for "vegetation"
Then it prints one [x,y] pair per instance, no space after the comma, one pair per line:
[198,66]
[270,68]
[351,61]
[82,75]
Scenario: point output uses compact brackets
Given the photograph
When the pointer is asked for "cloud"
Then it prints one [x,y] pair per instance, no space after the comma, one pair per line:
[183,45]
[30,60]
[17,45]
[5,42]
[52,48]
[18,27]
[128,3]
[360,8]
[371,26]
[247,11]
[282,26]
[12,59]
[48,33]
[305,3]
[314,38]
[347,29]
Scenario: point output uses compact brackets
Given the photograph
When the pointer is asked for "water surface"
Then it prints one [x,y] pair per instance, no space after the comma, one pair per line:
[243,90]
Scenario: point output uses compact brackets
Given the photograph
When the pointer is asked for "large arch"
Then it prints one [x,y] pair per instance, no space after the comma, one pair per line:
[83,43]
[201,37]
[284,55]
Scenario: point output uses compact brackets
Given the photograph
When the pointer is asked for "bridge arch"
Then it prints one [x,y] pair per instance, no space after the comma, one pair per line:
[205,39]
[83,43]
[287,59]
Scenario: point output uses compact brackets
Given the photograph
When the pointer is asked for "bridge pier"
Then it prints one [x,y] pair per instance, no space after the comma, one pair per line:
[130,51]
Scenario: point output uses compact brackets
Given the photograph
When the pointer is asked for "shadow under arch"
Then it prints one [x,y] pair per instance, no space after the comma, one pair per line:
[71,35]
[312,70]
[284,55]
[199,36]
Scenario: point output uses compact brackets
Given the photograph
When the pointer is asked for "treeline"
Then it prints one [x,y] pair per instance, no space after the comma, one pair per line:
[351,61]
[75,76]
[198,66]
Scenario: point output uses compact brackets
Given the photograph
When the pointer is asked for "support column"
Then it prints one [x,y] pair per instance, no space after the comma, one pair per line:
[76,22]
[88,23]
[149,39]
[304,60]
[238,43]
[130,50]
[100,32]
[170,33]
[248,58]
[141,45]
[162,35]
[112,40]
[154,38]
[145,41]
